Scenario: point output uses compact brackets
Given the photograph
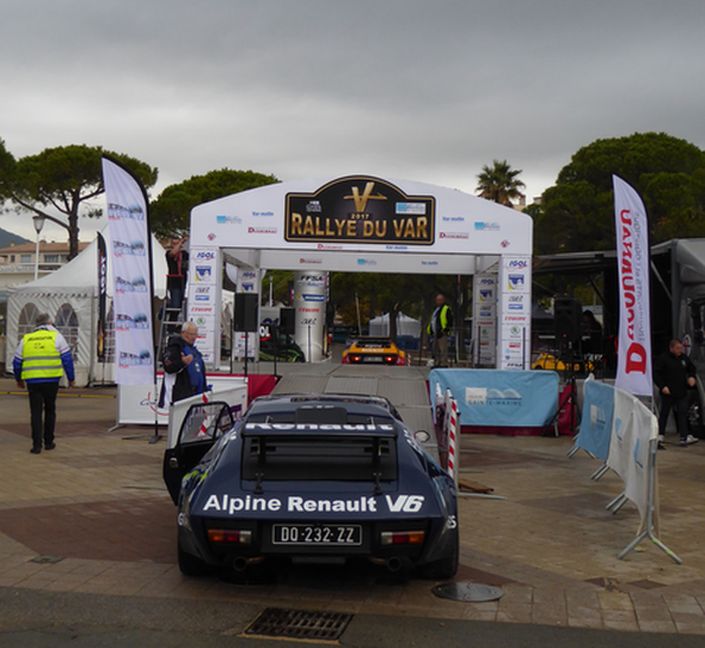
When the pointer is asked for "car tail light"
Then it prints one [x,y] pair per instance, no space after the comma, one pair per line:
[402,537]
[355,358]
[229,536]
[390,359]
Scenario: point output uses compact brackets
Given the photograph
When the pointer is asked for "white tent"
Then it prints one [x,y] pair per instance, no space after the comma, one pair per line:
[70,296]
[406,325]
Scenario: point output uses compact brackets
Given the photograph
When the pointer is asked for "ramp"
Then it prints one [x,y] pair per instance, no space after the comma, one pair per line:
[405,387]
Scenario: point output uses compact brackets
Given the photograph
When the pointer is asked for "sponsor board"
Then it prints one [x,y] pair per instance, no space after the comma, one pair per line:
[360,209]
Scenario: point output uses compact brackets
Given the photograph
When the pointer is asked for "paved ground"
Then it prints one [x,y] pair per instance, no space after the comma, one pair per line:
[92,517]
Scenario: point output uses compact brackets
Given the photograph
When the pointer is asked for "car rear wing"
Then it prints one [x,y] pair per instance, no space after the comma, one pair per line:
[299,452]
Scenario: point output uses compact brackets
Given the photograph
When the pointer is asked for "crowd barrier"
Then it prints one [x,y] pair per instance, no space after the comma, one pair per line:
[500,401]
[620,431]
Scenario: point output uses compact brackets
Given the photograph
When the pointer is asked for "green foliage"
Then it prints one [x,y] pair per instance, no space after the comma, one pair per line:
[499,183]
[58,182]
[170,213]
[669,173]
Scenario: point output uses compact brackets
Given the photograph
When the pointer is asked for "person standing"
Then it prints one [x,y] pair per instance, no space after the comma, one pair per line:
[177,258]
[41,359]
[184,369]
[438,330]
[674,374]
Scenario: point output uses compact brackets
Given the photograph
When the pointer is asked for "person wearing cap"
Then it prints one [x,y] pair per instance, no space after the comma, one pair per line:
[41,359]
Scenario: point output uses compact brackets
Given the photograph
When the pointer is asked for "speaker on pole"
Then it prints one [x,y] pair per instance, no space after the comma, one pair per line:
[287,321]
[246,307]
[567,318]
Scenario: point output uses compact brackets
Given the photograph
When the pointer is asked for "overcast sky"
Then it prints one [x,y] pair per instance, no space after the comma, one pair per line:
[425,90]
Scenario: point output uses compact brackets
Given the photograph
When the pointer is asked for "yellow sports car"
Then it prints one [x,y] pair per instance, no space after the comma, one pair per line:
[549,362]
[374,350]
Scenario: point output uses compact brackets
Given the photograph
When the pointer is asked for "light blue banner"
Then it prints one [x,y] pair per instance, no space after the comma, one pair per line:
[596,422]
[495,398]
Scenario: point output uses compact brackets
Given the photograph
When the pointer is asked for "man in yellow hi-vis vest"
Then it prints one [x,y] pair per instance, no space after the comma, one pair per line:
[439,329]
[41,359]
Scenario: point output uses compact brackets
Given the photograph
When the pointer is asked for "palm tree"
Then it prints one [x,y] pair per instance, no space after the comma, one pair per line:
[500,183]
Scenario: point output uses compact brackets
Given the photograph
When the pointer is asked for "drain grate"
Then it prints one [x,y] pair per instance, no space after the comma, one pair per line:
[299,624]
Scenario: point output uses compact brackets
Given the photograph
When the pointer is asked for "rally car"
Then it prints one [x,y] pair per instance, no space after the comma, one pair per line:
[379,350]
[309,478]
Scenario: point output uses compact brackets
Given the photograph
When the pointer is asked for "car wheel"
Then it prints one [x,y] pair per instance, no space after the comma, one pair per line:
[189,564]
[444,568]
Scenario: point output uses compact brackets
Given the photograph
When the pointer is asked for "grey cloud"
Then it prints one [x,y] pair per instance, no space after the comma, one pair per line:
[426,90]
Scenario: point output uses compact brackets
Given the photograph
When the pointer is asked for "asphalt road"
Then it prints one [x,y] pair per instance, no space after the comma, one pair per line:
[36,619]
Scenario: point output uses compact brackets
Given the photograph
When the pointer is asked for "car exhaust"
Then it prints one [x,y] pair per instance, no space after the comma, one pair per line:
[240,564]
[393,564]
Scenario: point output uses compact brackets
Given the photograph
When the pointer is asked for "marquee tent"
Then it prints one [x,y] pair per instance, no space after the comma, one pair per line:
[70,296]
[406,325]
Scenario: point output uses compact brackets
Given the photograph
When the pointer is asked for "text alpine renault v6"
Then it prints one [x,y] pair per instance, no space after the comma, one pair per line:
[309,477]
[374,350]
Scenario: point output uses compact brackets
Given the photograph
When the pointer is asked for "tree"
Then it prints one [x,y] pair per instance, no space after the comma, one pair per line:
[669,173]
[500,183]
[58,183]
[170,213]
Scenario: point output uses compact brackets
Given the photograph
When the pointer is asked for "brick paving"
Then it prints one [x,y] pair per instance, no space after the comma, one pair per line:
[93,516]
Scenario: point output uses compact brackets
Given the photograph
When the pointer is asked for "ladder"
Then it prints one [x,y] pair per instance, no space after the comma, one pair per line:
[171,320]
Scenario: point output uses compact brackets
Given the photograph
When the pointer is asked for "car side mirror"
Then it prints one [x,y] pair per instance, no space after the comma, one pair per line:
[422,436]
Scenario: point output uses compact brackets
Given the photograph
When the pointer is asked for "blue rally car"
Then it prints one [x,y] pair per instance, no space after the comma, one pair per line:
[309,477]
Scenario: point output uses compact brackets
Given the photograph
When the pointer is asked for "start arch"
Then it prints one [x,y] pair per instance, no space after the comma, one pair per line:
[362,223]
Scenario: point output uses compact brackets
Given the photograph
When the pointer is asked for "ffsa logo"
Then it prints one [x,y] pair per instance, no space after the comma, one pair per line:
[361,200]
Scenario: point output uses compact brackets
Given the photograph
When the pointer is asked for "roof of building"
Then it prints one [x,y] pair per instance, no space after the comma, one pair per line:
[44,246]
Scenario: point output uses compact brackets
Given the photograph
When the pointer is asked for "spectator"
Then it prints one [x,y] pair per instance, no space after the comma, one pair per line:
[184,369]
[438,330]
[41,359]
[674,373]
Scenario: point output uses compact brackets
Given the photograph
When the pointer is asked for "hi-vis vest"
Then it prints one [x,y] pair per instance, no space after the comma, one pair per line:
[442,320]
[40,359]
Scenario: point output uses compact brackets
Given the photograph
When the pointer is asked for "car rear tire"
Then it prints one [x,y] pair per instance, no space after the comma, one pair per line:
[444,568]
[190,565]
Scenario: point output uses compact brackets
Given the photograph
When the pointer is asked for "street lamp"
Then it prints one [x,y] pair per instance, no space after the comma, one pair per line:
[38,224]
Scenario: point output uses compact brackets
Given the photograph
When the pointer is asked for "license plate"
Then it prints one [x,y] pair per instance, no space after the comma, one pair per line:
[329,535]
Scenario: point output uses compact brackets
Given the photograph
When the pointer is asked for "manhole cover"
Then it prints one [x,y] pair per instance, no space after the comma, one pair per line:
[468,592]
[46,560]
[299,624]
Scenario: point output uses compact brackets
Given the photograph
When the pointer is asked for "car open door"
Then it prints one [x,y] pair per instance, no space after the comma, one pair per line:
[203,424]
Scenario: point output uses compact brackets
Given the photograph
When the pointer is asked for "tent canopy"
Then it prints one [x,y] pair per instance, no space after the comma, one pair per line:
[406,325]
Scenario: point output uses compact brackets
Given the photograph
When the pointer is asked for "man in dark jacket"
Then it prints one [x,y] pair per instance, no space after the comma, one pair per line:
[184,369]
[674,374]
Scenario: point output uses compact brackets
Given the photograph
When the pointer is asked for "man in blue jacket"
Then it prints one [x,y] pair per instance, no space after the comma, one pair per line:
[184,369]
[40,361]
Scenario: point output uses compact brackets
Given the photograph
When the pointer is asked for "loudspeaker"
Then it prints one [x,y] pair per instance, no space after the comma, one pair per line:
[567,315]
[246,307]
[287,321]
